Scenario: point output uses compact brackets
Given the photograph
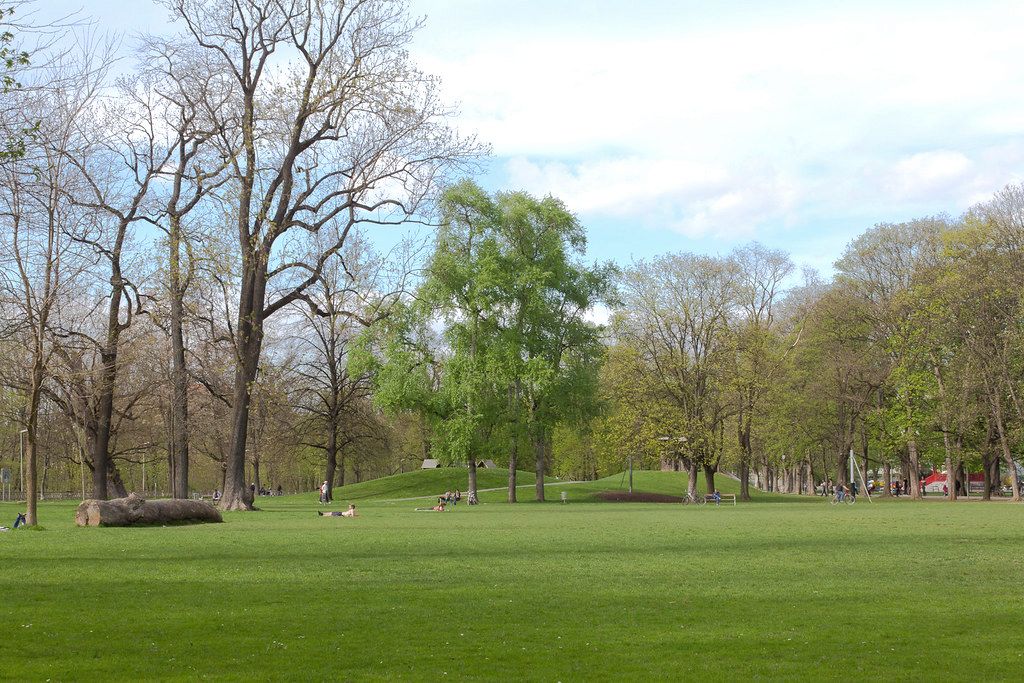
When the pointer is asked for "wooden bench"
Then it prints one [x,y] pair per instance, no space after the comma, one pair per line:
[710,497]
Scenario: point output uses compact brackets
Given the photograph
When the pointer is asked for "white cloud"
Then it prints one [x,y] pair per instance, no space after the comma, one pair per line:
[686,197]
[924,174]
[720,125]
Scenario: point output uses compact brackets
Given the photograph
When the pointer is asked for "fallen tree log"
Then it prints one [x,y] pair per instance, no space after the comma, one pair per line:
[135,510]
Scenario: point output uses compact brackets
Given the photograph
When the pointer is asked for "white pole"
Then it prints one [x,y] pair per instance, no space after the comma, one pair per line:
[143,476]
[851,466]
[630,474]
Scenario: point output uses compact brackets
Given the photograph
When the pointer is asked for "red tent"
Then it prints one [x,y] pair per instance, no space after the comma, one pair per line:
[934,482]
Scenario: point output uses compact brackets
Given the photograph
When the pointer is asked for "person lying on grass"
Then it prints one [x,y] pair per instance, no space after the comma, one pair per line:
[351,512]
[437,508]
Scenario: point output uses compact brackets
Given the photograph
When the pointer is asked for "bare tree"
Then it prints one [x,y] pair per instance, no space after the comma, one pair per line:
[761,274]
[354,289]
[40,227]
[675,315]
[186,96]
[336,124]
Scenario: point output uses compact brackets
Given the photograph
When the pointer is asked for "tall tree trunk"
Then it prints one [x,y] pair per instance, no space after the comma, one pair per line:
[472,478]
[1004,444]
[104,416]
[513,463]
[115,482]
[540,454]
[332,460]
[743,434]
[709,477]
[887,478]
[914,466]
[32,434]
[842,467]
[954,465]
[179,372]
[950,470]
[944,424]
[988,457]
[691,478]
[513,459]
[249,344]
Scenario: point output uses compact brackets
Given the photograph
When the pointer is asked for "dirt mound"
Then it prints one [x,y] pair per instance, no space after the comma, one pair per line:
[637,497]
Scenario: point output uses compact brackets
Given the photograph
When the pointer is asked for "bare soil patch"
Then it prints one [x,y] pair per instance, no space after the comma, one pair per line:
[637,497]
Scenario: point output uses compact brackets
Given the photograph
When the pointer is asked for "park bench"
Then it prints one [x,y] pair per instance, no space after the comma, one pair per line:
[730,497]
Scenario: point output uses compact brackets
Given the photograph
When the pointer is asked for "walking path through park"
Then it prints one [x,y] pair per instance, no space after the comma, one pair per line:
[497,488]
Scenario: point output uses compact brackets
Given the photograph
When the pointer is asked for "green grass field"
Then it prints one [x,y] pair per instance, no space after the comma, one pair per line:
[578,592]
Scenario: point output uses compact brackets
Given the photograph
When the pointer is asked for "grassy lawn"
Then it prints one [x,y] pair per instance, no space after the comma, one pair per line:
[579,592]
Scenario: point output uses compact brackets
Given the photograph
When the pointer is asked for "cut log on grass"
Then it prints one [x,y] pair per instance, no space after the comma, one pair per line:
[135,510]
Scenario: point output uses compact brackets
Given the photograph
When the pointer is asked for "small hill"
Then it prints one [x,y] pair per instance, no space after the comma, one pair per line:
[425,483]
[429,483]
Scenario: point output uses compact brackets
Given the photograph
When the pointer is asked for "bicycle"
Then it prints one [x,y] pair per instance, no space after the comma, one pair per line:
[694,500]
[849,499]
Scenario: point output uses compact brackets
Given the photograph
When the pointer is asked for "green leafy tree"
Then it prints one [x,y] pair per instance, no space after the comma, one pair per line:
[517,356]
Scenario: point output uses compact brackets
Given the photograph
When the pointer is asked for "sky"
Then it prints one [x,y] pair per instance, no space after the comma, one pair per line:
[699,126]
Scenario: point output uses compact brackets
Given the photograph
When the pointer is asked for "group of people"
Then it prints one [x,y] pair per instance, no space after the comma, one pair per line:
[279,491]
[263,491]
[449,499]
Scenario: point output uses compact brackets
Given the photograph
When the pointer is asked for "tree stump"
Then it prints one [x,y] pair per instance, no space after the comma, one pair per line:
[135,510]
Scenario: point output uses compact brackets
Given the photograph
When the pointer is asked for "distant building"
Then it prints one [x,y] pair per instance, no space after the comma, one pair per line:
[430,464]
[486,465]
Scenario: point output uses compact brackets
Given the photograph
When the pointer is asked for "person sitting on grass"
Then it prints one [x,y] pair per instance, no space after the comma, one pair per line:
[351,512]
